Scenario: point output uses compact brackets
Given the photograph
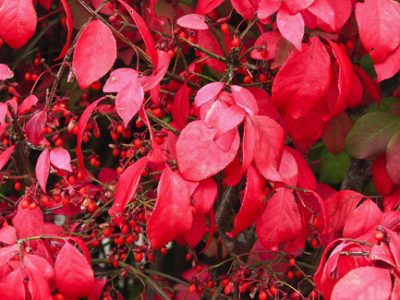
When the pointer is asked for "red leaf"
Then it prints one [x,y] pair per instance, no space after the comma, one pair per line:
[249,143]
[389,67]
[150,82]
[245,99]
[194,235]
[380,31]
[99,284]
[60,158]
[291,26]
[294,6]
[322,10]
[223,118]
[129,100]
[126,187]
[267,7]
[253,203]
[288,170]
[12,287]
[363,221]
[269,146]
[5,72]
[382,182]
[95,53]
[342,11]
[369,84]
[367,283]
[205,195]
[336,132]
[208,93]
[269,40]
[345,79]
[5,156]
[42,169]
[306,178]
[233,173]
[73,274]
[34,127]
[17,22]
[7,253]
[28,222]
[198,155]
[193,21]
[280,223]
[38,286]
[245,8]
[181,106]
[144,32]
[172,215]
[303,80]
[39,265]
[8,235]
[206,40]
[339,207]
[45,3]
[85,116]
[70,28]
[392,159]
[27,104]
[203,7]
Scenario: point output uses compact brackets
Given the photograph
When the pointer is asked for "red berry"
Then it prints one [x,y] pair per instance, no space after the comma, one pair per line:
[235,42]
[58,296]
[44,200]
[17,186]
[34,77]
[138,256]
[25,203]
[379,236]
[228,289]
[224,28]
[28,76]
[262,295]
[191,289]
[273,290]
[107,232]
[171,53]
[262,77]
[292,262]
[247,79]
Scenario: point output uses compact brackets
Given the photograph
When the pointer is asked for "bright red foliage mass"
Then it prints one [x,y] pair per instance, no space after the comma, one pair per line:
[202,149]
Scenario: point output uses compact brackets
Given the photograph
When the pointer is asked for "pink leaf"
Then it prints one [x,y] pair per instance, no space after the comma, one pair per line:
[208,93]
[73,274]
[12,287]
[5,156]
[223,118]
[27,104]
[294,6]
[126,187]
[129,100]
[322,10]
[28,222]
[303,80]
[42,169]
[172,215]
[17,22]
[380,31]
[244,99]
[198,155]
[181,106]
[5,72]
[144,32]
[205,195]
[253,203]
[150,82]
[34,127]
[7,253]
[268,147]
[95,53]
[367,283]
[280,223]
[8,235]
[60,158]
[193,21]
[291,26]
[306,178]
[119,79]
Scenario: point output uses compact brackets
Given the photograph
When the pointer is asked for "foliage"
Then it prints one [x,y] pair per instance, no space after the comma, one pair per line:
[202,149]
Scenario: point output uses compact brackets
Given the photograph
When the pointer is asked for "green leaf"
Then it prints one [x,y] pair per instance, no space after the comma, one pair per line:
[371,134]
[333,168]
